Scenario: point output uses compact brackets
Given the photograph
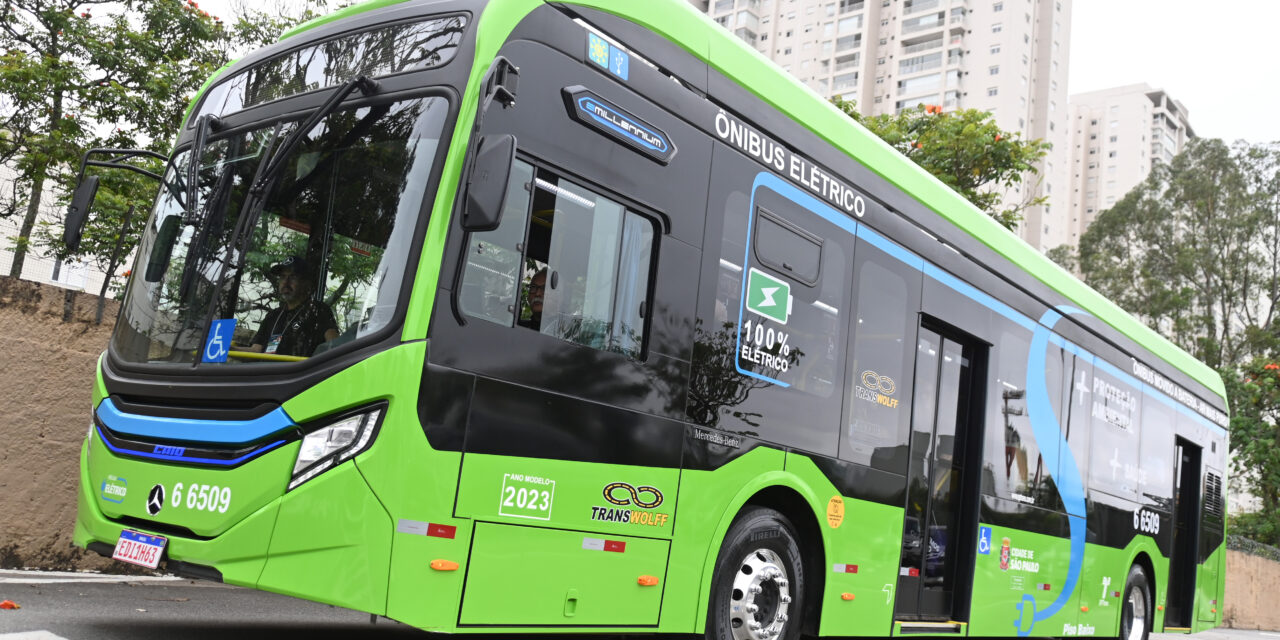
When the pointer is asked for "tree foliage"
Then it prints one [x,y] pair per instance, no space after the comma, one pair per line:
[69,80]
[1194,251]
[1255,443]
[966,150]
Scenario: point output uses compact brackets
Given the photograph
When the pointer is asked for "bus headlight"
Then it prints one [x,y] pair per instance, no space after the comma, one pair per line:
[329,445]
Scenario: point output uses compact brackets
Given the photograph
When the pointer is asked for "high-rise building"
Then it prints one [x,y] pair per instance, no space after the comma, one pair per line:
[1008,57]
[1117,136]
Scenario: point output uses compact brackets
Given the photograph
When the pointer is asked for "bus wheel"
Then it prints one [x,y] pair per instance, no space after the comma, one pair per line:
[757,592]
[1135,617]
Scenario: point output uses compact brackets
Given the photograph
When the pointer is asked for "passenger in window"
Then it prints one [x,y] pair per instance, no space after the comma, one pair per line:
[301,323]
[536,290]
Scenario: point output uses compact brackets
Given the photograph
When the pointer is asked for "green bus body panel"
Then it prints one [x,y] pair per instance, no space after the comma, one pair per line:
[573,494]
[252,486]
[524,575]
[239,553]
[1210,587]
[332,543]
[868,536]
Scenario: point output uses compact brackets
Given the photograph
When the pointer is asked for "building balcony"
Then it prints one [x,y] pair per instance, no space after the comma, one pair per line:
[923,23]
[849,42]
[925,45]
[847,62]
[913,6]
[850,6]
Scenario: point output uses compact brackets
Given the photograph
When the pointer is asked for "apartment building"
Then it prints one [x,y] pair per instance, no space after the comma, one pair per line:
[1008,57]
[1118,134]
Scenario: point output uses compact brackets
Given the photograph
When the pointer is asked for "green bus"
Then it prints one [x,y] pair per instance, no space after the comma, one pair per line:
[581,316]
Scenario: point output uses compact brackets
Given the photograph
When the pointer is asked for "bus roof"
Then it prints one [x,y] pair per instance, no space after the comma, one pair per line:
[694,31]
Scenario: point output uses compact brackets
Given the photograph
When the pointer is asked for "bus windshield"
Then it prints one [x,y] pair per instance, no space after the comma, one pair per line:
[318,264]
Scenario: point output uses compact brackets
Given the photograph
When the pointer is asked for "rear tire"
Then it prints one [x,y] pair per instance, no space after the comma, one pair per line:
[757,590]
[1135,616]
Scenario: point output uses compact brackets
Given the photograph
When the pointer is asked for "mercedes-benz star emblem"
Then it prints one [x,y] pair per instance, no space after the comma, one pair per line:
[155,499]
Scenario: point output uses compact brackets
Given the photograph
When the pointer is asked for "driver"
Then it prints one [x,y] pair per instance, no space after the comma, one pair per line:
[301,323]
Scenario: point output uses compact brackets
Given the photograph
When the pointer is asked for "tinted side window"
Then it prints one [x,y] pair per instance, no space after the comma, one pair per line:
[582,267]
[1014,467]
[1113,459]
[884,339]
[769,353]
[787,248]
[1155,476]
[1076,418]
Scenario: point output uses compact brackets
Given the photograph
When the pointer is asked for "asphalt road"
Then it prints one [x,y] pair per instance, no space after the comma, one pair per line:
[76,606]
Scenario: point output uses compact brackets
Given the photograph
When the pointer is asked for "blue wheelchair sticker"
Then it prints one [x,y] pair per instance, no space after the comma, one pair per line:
[218,344]
[984,540]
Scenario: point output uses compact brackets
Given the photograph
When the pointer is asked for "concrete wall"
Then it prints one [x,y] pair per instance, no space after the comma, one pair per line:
[46,377]
[1251,597]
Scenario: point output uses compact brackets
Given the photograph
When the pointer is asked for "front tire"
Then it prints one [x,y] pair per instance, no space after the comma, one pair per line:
[1136,617]
[757,591]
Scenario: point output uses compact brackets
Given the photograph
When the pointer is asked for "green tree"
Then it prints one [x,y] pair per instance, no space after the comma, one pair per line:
[1255,446]
[964,149]
[1193,251]
[258,24]
[69,80]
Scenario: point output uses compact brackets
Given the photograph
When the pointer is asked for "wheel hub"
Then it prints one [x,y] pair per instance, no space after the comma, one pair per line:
[761,597]
[1136,608]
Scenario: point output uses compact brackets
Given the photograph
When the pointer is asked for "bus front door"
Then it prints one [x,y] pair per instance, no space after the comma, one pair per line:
[943,422]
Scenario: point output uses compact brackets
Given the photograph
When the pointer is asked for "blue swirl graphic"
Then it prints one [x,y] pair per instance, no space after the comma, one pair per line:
[1053,446]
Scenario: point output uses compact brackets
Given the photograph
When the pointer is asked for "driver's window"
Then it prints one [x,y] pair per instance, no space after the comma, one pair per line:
[580,272]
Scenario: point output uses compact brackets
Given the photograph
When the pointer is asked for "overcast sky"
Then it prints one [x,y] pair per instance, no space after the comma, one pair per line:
[1216,58]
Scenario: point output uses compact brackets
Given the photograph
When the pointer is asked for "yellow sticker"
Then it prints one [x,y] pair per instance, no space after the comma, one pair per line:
[835,511]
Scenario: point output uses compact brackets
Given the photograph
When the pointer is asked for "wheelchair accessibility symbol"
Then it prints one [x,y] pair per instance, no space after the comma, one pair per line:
[218,344]
[984,540]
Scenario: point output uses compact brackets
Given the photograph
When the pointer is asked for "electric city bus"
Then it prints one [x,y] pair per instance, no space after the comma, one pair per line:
[581,316]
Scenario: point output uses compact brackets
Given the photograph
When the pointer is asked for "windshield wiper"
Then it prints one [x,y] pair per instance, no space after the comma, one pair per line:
[197,251]
[281,155]
[207,123]
[256,199]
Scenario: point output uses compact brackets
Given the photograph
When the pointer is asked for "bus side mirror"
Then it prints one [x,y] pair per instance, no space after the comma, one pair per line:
[78,212]
[487,185]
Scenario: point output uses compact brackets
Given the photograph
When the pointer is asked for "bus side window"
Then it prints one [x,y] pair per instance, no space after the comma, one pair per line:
[492,276]
[1114,449]
[586,268]
[884,337]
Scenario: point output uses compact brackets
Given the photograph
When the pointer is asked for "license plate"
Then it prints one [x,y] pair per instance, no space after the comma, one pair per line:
[142,549]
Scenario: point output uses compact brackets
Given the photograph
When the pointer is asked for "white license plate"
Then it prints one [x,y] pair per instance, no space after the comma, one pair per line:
[142,549]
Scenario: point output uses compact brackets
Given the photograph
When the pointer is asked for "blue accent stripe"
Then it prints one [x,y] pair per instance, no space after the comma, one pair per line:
[826,212]
[185,458]
[1053,446]
[220,432]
